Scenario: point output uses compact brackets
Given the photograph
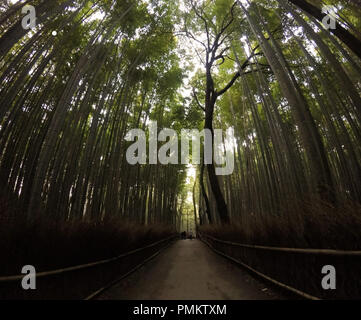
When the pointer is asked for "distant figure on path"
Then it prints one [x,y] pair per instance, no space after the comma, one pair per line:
[184,235]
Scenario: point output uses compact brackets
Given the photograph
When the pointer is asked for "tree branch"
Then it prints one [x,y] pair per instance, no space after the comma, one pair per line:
[205,23]
[198,103]
[238,74]
[230,84]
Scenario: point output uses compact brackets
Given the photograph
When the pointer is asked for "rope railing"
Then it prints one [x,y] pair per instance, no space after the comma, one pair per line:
[330,252]
[85,266]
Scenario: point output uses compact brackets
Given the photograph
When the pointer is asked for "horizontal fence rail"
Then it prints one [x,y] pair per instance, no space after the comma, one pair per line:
[262,275]
[109,285]
[286,263]
[85,281]
[329,252]
[88,265]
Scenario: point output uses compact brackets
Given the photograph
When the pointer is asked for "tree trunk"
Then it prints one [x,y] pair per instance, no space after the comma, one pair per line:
[340,32]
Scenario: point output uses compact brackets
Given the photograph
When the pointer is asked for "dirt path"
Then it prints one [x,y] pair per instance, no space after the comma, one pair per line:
[189,270]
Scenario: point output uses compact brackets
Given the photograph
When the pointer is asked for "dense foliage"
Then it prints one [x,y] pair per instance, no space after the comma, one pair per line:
[92,70]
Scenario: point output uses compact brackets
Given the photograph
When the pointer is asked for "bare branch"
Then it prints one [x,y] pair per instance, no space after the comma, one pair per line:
[221,55]
[205,23]
[216,43]
[228,57]
[225,27]
[198,103]
[190,35]
[223,60]
[229,85]
[239,73]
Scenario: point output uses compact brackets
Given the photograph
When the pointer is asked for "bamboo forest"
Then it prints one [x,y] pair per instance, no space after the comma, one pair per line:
[208,130]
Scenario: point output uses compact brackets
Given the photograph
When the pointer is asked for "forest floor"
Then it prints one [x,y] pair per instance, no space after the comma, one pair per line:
[188,270]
